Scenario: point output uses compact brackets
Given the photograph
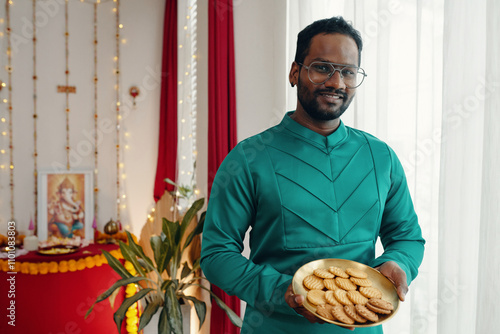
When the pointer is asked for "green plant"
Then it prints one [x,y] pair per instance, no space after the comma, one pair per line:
[161,294]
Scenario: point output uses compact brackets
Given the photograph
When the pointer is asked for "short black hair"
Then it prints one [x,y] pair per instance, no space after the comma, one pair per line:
[334,25]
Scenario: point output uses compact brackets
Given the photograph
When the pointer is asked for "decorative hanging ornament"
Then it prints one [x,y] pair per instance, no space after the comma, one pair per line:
[134,92]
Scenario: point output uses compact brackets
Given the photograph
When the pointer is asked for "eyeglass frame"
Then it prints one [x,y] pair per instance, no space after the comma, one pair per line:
[363,74]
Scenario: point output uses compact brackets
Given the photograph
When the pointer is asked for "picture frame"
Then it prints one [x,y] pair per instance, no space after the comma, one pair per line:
[65,204]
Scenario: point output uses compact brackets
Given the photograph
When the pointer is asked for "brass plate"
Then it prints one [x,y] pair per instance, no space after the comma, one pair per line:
[379,281]
[58,250]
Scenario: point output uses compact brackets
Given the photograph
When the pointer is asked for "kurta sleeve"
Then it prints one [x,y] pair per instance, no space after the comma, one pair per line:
[400,232]
[230,213]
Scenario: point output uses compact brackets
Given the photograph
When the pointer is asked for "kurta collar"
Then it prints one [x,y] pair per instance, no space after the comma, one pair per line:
[328,142]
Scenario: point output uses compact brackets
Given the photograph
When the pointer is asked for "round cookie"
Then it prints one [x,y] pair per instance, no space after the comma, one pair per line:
[361,281]
[323,273]
[330,298]
[356,273]
[366,313]
[338,312]
[313,282]
[330,284]
[345,283]
[350,310]
[316,297]
[341,296]
[370,292]
[377,309]
[338,272]
[380,303]
[325,311]
[357,298]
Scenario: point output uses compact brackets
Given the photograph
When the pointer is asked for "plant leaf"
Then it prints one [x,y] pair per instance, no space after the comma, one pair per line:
[119,315]
[163,324]
[235,319]
[200,307]
[107,293]
[116,265]
[160,251]
[170,229]
[173,309]
[166,284]
[190,214]
[131,257]
[149,311]
[137,250]
[185,270]
[197,230]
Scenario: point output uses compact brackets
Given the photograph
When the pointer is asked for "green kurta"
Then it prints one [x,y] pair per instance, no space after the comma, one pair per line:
[305,197]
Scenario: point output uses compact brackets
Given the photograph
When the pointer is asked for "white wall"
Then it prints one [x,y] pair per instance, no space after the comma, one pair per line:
[140,65]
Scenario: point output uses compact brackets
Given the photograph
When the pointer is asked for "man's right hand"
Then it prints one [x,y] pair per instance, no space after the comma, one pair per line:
[296,302]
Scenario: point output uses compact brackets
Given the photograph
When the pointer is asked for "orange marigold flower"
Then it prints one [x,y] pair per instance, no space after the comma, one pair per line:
[89,262]
[33,268]
[25,269]
[72,265]
[43,268]
[80,264]
[53,267]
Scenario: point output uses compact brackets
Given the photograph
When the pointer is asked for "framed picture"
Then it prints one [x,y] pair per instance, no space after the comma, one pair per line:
[65,204]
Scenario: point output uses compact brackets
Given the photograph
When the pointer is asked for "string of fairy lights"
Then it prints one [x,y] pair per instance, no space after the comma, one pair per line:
[9,69]
[35,117]
[6,118]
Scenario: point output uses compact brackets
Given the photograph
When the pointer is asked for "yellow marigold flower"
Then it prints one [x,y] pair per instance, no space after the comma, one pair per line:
[131,312]
[130,290]
[72,265]
[132,321]
[128,265]
[131,328]
[18,267]
[43,268]
[53,267]
[89,262]
[80,264]
[25,268]
[97,260]
[33,267]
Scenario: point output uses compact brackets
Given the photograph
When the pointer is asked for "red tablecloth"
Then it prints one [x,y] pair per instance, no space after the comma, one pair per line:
[56,303]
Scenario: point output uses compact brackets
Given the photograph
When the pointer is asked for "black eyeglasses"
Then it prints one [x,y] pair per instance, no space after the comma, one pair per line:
[320,71]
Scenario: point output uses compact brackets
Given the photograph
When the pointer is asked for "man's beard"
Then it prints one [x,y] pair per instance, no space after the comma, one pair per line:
[308,100]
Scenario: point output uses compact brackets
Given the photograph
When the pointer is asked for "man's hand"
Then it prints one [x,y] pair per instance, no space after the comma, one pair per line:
[296,302]
[394,273]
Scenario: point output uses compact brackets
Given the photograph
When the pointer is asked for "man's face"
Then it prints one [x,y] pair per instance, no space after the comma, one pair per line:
[329,100]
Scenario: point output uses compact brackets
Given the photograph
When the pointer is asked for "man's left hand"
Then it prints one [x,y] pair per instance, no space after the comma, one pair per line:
[394,273]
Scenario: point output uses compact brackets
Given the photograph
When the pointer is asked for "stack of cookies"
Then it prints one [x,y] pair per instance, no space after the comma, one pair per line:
[346,296]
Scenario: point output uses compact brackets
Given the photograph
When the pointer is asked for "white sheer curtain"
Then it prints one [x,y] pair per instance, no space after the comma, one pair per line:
[470,187]
[433,94]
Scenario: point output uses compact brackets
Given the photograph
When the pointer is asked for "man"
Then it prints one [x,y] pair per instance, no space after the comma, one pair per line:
[309,188]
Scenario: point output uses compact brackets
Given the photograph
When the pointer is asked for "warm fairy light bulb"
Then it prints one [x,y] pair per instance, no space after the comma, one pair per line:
[153,210]
[180,101]
[126,147]
[2,151]
[114,9]
[3,119]
[124,176]
[2,166]
[180,82]
[121,165]
[4,133]
[180,46]
[124,206]
[185,28]
[11,166]
[120,26]
[197,191]
[124,196]
[124,41]
[5,101]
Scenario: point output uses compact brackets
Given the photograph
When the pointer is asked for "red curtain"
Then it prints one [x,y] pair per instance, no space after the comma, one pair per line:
[167,147]
[221,121]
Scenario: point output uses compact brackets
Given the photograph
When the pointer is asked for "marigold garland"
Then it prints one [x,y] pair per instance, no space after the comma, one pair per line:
[52,267]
